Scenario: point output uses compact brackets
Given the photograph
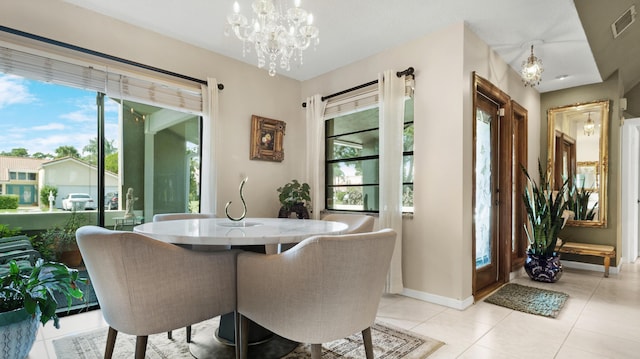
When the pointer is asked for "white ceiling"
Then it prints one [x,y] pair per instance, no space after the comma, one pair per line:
[351,30]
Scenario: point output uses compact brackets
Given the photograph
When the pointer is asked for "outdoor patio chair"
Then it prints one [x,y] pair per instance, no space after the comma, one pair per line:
[323,289]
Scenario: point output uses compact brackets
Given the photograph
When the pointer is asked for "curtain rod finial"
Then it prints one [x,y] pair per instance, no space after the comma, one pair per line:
[220,86]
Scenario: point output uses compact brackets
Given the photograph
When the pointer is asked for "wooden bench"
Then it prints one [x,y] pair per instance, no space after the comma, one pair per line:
[599,250]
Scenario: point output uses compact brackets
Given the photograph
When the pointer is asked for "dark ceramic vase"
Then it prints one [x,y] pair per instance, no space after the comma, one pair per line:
[299,209]
[542,268]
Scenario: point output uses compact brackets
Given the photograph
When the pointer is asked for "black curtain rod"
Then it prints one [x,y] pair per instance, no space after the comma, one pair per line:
[102,55]
[407,72]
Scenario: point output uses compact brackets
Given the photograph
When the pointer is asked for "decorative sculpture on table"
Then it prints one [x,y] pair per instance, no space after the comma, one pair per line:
[129,206]
[244,204]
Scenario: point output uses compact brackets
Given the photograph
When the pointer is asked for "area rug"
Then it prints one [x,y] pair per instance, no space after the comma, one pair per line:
[388,342]
[530,300]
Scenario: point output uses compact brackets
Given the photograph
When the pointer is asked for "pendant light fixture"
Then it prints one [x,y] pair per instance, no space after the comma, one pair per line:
[531,70]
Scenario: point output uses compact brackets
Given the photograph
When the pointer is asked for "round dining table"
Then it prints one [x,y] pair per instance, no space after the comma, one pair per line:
[250,231]
[223,232]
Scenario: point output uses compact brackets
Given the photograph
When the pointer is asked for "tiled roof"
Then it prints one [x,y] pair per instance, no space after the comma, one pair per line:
[18,164]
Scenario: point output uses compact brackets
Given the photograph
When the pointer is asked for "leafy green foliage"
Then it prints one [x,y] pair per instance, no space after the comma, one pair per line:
[16,152]
[6,231]
[67,151]
[544,208]
[578,202]
[9,201]
[44,193]
[58,239]
[294,192]
[36,291]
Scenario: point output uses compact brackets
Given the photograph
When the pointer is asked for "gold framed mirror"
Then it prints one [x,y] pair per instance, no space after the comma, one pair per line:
[577,152]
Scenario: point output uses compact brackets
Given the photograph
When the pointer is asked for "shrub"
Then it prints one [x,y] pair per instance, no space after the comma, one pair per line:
[44,194]
[9,201]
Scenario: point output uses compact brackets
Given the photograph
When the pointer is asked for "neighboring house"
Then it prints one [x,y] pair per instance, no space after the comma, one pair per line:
[72,175]
[19,176]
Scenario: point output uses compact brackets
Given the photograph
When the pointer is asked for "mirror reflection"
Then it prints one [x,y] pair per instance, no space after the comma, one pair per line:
[577,154]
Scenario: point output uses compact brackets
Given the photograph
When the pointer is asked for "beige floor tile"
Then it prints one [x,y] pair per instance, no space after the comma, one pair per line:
[602,344]
[450,329]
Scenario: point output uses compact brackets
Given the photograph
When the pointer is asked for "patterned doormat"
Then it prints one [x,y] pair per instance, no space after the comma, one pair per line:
[388,343]
[547,303]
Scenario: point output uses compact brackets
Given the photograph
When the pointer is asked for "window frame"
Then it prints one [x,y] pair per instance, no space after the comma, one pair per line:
[328,185]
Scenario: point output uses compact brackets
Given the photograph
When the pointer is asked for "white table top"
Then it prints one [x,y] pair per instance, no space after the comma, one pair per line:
[250,231]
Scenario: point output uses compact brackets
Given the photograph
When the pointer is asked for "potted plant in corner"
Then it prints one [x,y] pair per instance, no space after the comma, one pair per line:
[28,297]
[546,214]
[62,241]
[294,198]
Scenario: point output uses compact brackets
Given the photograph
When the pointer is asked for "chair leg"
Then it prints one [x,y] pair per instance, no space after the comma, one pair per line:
[242,341]
[368,343]
[141,346]
[316,351]
[189,334]
[111,343]
[170,335]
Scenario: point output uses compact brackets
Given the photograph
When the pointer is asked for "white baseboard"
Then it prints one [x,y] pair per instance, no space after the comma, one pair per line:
[438,299]
[463,304]
[589,266]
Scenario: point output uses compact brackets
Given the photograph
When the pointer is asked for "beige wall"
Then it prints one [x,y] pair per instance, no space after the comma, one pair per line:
[248,90]
[437,248]
[608,90]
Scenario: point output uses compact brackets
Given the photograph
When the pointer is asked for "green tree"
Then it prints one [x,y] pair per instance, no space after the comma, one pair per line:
[42,156]
[67,151]
[111,162]
[16,152]
[92,150]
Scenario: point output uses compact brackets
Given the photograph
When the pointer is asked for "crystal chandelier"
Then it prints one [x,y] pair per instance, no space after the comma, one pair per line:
[589,126]
[277,35]
[531,70]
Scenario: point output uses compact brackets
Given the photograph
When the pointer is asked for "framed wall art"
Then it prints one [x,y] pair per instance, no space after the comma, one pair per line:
[267,136]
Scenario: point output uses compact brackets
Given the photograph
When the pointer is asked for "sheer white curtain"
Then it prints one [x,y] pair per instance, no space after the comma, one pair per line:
[315,152]
[209,184]
[392,91]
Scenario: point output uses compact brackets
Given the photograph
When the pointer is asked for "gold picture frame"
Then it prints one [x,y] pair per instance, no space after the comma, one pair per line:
[267,136]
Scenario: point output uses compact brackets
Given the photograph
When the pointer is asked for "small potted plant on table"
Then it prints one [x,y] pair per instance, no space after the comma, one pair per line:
[27,297]
[294,197]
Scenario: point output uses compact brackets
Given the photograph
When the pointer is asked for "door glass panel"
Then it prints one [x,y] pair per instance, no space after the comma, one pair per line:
[160,161]
[483,190]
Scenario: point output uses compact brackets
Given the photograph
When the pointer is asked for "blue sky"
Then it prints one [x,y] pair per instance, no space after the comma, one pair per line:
[42,117]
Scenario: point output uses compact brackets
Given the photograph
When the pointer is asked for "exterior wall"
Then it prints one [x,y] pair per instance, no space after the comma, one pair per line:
[73,176]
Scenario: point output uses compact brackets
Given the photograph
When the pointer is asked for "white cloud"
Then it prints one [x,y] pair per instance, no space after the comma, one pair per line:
[13,90]
[50,127]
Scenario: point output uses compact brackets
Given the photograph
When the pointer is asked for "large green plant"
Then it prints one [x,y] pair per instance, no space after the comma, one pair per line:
[35,291]
[544,208]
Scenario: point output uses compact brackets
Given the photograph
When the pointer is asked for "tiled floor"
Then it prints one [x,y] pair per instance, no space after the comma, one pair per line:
[600,320]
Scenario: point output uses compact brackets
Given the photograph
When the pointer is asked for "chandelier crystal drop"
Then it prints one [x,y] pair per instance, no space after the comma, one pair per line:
[278,36]
[589,126]
[531,70]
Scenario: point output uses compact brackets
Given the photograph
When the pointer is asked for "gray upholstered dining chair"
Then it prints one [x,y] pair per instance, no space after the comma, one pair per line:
[177,216]
[145,286]
[323,289]
[358,223]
